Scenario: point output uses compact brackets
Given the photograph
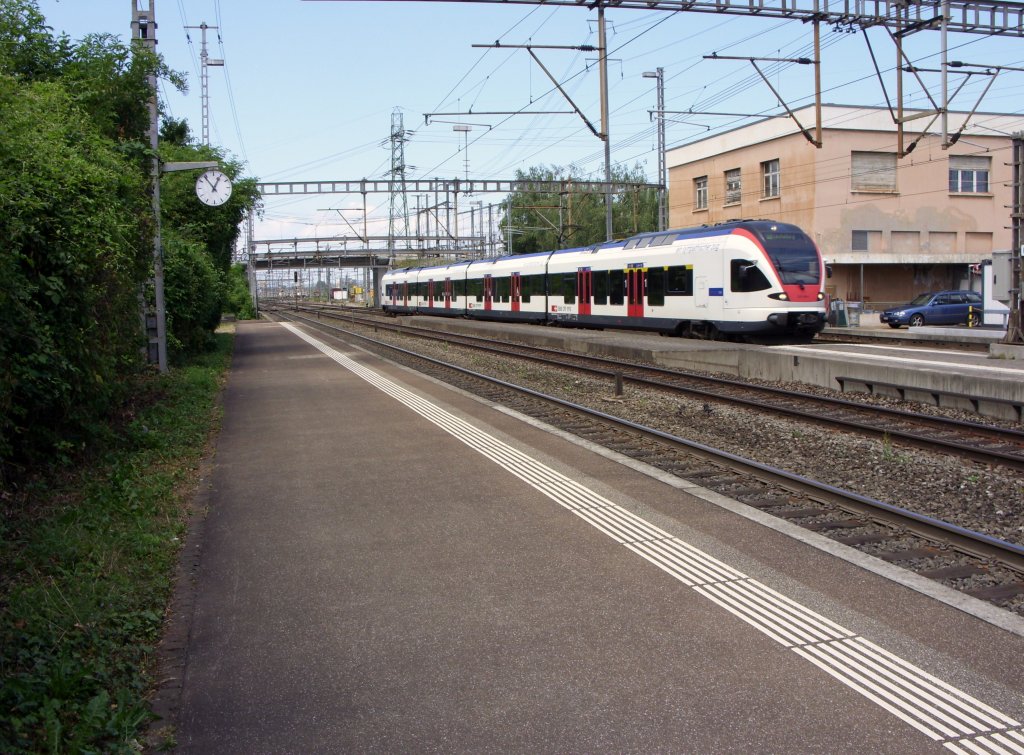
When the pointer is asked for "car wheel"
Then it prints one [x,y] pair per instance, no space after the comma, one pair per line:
[916,320]
[974,319]
[894,325]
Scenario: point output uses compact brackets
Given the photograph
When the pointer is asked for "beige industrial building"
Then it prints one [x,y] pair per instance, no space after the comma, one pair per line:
[891,227]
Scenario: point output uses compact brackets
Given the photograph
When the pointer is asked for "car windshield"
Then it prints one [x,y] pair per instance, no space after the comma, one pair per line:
[793,255]
[920,300]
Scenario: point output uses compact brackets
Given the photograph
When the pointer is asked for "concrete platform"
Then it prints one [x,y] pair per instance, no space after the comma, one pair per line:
[391,566]
[939,377]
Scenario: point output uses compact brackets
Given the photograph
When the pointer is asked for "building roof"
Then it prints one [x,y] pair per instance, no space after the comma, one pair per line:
[840,118]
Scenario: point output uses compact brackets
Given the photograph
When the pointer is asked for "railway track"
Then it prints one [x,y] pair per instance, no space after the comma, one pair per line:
[975,563]
[985,443]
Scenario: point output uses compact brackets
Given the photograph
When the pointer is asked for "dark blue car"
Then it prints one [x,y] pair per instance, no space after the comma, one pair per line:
[938,308]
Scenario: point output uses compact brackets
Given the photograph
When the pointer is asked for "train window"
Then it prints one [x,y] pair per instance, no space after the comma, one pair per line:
[667,238]
[475,288]
[459,289]
[645,241]
[502,289]
[631,243]
[656,286]
[533,285]
[680,281]
[555,286]
[616,286]
[600,287]
[569,288]
[747,277]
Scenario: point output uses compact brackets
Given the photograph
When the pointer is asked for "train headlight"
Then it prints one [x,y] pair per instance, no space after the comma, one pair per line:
[821,295]
[781,296]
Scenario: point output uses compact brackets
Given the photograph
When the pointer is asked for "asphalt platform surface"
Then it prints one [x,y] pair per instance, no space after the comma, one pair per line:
[380,570]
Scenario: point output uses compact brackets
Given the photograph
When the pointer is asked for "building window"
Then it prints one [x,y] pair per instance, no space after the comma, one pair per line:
[968,174]
[700,193]
[733,186]
[866,241]
[873,171]
[769,179]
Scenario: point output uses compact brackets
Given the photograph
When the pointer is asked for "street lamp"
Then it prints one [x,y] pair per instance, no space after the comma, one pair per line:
[659,74]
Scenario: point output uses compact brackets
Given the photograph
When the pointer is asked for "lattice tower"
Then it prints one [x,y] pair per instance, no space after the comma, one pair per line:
[398,209]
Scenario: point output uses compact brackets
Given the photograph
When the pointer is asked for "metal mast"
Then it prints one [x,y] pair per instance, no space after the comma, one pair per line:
[659,74]
[144,34]
[398,214]
[204,79]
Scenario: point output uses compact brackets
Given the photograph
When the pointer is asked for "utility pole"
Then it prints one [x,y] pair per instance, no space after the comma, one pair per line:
[602,44]
[1014,329]
[144,34]
[204,79]
[659,74]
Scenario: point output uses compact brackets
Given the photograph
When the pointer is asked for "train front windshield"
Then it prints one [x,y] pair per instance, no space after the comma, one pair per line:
[794,256]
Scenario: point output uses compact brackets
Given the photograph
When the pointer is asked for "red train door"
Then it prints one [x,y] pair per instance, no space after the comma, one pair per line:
[636,285]
[447,293]
[517,291]
[430,294]
[584,289]
[405,293]
[488,292]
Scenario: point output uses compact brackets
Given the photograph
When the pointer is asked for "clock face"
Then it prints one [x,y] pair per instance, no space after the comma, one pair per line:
[213,188]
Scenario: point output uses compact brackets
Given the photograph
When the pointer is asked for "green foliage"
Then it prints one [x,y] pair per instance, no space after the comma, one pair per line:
[239,300]
[70,212]
[77,229]
[193,292]
[85,565]
[542,221]
[110,82]
[27,48]
[175,132]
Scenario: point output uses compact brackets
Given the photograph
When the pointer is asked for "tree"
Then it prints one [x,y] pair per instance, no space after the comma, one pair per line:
[70,216]
[542,221]
[28,51]
[77,229]
[175,132]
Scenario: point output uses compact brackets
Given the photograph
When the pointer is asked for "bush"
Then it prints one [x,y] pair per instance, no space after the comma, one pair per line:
[239,300]
[193,291]
[69,271]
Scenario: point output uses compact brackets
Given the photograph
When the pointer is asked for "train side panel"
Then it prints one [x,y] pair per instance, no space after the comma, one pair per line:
[507,288]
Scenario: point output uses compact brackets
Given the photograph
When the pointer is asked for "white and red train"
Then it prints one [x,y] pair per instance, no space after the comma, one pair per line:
[756,278]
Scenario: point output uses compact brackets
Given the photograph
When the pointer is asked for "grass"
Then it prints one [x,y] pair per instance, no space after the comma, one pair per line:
[86,566]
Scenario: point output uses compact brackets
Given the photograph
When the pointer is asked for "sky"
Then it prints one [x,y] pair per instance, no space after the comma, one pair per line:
[309,88]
